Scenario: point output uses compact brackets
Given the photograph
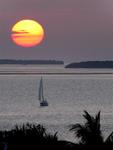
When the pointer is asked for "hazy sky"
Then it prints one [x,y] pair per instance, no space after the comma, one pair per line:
[75,29]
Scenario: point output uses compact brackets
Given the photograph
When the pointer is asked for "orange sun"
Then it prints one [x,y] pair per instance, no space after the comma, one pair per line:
[27,33]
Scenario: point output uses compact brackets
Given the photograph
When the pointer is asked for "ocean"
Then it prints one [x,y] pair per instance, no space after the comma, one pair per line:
[68,96]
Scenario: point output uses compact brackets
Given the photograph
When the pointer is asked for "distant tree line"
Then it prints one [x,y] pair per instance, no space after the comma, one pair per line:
[91,64]
[30,62]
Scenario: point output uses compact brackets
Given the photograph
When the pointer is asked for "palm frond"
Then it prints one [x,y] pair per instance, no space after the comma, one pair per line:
[88,117]
[97,120]
[90,131]
[78,129]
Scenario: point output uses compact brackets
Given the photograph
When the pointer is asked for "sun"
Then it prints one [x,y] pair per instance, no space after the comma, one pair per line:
[27,33]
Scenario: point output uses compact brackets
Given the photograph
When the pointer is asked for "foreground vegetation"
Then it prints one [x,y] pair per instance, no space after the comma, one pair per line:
[33,136]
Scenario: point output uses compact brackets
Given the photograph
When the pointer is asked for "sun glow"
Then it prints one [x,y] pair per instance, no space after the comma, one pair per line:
[27,33]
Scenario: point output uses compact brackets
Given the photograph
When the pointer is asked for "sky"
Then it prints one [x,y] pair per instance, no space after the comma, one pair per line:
[75,30]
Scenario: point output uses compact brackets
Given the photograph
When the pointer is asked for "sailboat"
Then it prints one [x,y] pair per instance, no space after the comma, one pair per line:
[43,101]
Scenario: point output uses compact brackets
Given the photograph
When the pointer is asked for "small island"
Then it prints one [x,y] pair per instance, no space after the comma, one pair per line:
[91,64]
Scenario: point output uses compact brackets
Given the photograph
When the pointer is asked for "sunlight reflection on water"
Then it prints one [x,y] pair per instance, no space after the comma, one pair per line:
[68,96]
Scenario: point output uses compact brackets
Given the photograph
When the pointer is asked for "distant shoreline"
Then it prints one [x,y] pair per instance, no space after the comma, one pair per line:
[50,73]
[30,62]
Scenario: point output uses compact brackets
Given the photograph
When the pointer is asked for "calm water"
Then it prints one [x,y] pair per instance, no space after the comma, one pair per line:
[68,96]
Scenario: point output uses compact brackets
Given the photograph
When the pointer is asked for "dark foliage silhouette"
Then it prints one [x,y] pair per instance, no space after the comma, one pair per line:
[30,136]
[27,137]
[90,132]
[34,136]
